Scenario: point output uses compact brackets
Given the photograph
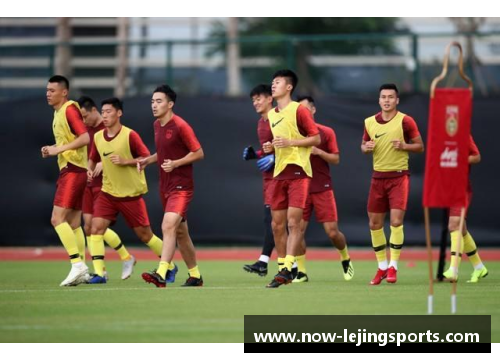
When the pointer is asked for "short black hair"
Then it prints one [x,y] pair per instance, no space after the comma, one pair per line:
[87,103]
[390,86]
[290,77]
[169,92]
[115,102]
[61,80]
[305,98]
[264,89]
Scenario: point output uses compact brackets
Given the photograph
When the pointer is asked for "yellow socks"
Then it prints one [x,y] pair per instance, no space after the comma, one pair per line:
[456,255]
[344,254]
[162,269]
[470,249]
[281,263]
[289,260]
[80,241]
[195,272]
[301,263]
[97,252]
[171,266]
[68,240]
[112,239]
[155,244]
[379,243]
[396,243]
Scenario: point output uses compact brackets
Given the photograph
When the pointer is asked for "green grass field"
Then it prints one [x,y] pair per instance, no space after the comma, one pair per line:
[33,308]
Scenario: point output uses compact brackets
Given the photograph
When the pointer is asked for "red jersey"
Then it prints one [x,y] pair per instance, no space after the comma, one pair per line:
[96,182]
[322,180]
[174,141]
[265,135]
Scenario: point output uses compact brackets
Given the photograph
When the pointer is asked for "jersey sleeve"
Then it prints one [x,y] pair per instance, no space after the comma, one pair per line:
[331,141]
[473,150]
[75,120]
[137,147]
[94,154]
[305,122]
[410,128]
[188,137]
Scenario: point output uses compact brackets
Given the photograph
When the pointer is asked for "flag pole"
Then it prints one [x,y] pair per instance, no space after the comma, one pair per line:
[430,297]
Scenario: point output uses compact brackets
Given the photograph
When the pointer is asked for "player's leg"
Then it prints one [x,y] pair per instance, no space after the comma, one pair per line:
[188,252]
[260,266]
[280,235]
[398,190]
[99,226]
[301,276]
[75,221]
[470,249]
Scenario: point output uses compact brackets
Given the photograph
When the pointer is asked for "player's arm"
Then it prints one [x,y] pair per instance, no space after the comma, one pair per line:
[306,123]
[473,159]
[77,127]
[196,152]
[332,158]
[191,157]
[138,150]
[410,130]
[142,163]
[416,145]
[367,147]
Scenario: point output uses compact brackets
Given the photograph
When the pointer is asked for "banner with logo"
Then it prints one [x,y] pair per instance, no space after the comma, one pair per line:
[447,148]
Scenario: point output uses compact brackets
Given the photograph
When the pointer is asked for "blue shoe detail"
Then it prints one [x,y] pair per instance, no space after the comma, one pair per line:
[97,279]
[170,277]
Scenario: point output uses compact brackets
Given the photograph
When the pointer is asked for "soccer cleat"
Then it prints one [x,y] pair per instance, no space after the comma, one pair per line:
[97,279]
[155,278]
[300,278]
[84,279]
[128,267]
[478,274]
[348,269]
[283,277]
[170,277]
[448,276]
[259,267]
[392,275]
[193,282]
[381,275]
[295,272]
[76,273]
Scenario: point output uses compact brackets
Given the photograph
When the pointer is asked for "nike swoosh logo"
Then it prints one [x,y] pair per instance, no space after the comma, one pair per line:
[379,135]
[107,154]
[275,124]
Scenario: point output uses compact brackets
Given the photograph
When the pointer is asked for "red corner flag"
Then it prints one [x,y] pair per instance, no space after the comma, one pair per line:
[446,163]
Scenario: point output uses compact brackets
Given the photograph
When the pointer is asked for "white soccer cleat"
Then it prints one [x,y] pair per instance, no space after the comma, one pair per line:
[128,267]
[76,275]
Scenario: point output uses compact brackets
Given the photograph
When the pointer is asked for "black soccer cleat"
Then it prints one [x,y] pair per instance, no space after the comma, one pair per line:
[193,282]
[155,278]
[259,267]
[283,277]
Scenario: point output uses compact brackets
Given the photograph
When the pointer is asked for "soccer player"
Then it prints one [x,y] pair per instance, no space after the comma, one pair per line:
[177,148]
[389,136]
[71,138]
[468,245]
[294,134]
[321,197]
[262,100]
[93,120]
[118,148]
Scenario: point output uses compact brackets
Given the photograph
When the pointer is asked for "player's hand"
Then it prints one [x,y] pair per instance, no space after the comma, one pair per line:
[249,153]
[369,146]
[97,170]
[90,175]
[141,164]
[279,142]
[315,151]
[398,145]
[266,163]
[268,147]
[116,159]
[168,165]
[52,151]
[44,152]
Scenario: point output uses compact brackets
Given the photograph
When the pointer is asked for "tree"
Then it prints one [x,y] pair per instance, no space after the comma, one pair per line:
[300,51]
